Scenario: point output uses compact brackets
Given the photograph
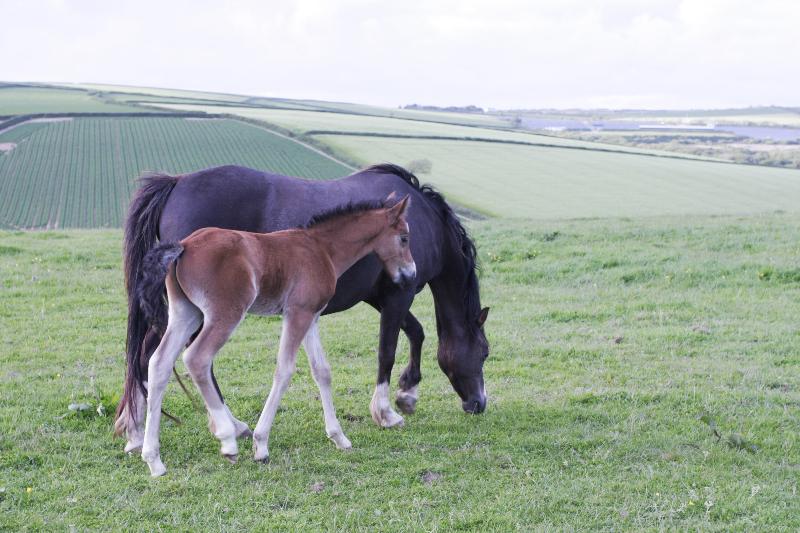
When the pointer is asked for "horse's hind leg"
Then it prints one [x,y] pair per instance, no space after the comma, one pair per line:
[198,358]
[295,326]
[184,319]
[406,399]
[321,371]
[133,422]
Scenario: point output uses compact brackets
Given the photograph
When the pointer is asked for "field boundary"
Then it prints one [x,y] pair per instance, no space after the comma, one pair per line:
[519,143]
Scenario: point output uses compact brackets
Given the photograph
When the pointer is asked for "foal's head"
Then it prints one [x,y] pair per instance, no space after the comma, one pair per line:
[392,245]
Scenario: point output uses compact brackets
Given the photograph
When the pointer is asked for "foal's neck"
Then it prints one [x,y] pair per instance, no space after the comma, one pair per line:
[347,239]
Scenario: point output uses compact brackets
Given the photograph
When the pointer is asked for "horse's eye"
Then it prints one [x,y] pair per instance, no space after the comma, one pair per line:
[404,239]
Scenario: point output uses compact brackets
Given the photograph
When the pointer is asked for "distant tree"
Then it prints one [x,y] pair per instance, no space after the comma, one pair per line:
[420,166]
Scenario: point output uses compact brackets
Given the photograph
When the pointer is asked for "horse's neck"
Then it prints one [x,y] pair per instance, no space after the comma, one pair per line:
[448,297]
[345,240]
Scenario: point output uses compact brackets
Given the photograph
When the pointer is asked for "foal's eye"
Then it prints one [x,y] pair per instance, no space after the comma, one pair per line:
[404,239]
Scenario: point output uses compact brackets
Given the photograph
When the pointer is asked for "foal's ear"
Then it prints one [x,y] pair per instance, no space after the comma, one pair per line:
[399,209]
[388,200]
[484,314]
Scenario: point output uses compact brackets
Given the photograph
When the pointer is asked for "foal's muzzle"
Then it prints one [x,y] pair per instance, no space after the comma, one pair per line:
[406,275]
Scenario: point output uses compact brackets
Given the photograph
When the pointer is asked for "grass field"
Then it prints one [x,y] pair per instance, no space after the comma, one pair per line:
[80,173]
[26,100]
[532,182]
[614,344]
[301,122]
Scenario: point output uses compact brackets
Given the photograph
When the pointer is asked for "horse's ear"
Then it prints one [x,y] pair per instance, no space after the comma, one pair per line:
[484,314]
[399,209]
[388,200]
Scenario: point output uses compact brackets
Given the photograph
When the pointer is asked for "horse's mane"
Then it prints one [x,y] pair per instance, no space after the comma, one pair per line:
[343,210]
[459,235]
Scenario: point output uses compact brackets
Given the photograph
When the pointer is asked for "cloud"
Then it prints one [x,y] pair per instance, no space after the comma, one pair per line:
[507,53]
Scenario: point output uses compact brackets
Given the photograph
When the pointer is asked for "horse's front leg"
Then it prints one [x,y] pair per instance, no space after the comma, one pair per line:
[393,311]
[295,326]
[407,395]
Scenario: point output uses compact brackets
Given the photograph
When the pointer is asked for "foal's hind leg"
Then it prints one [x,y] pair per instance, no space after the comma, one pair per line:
[242,429]
[198,358]
[184,319]
[295,326]
[321,371]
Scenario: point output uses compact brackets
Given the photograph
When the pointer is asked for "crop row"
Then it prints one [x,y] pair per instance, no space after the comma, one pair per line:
[80,173]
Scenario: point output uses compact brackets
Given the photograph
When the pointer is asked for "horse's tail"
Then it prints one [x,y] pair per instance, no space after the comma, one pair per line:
[141,234]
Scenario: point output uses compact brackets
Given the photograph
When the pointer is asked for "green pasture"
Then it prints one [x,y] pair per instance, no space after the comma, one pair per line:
[157,91]
[618,348]
[26,100]
[301,122]
[81,172]
[543,182]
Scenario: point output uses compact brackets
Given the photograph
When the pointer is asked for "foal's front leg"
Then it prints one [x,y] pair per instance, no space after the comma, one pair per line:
[295,326]
[321,371]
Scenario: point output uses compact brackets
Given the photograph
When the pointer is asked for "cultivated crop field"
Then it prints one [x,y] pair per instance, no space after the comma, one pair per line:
[618,348]
[80,172]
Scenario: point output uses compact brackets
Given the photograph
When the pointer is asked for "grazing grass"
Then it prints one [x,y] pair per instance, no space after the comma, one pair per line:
[540,182]
[25,100]
[81,172]
[617,347]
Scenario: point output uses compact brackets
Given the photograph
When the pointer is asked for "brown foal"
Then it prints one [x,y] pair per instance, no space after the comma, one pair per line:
[215,277]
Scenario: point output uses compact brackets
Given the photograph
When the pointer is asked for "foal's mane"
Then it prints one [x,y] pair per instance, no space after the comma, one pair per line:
[458,235]
[343,210]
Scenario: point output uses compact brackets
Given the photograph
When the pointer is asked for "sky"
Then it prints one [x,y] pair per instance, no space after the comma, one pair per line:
[666,54]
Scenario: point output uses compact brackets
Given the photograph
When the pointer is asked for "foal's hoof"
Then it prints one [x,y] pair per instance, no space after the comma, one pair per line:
[133,448]
[388,419]
[341,442]
[232,458]
[263,460]
[157,468]
[245,434]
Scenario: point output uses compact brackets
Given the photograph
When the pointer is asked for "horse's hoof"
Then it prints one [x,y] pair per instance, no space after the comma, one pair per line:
[406,403]
[232,458]
[246,434]
[263,461]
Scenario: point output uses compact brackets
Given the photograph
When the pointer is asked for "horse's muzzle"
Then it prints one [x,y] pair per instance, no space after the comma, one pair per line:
[474,405]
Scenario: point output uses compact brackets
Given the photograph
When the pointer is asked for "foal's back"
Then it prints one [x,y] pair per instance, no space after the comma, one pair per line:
[233,271]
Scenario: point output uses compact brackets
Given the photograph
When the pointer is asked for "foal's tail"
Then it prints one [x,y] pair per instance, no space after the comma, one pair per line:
[141,235]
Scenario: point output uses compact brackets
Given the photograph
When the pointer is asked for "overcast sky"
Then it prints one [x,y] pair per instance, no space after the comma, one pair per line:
[493,53]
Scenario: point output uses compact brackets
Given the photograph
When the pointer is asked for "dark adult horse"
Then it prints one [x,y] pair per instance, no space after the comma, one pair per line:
[169,208]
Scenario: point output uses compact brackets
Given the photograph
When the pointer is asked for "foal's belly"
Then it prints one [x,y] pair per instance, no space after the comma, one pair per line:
[266,307]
